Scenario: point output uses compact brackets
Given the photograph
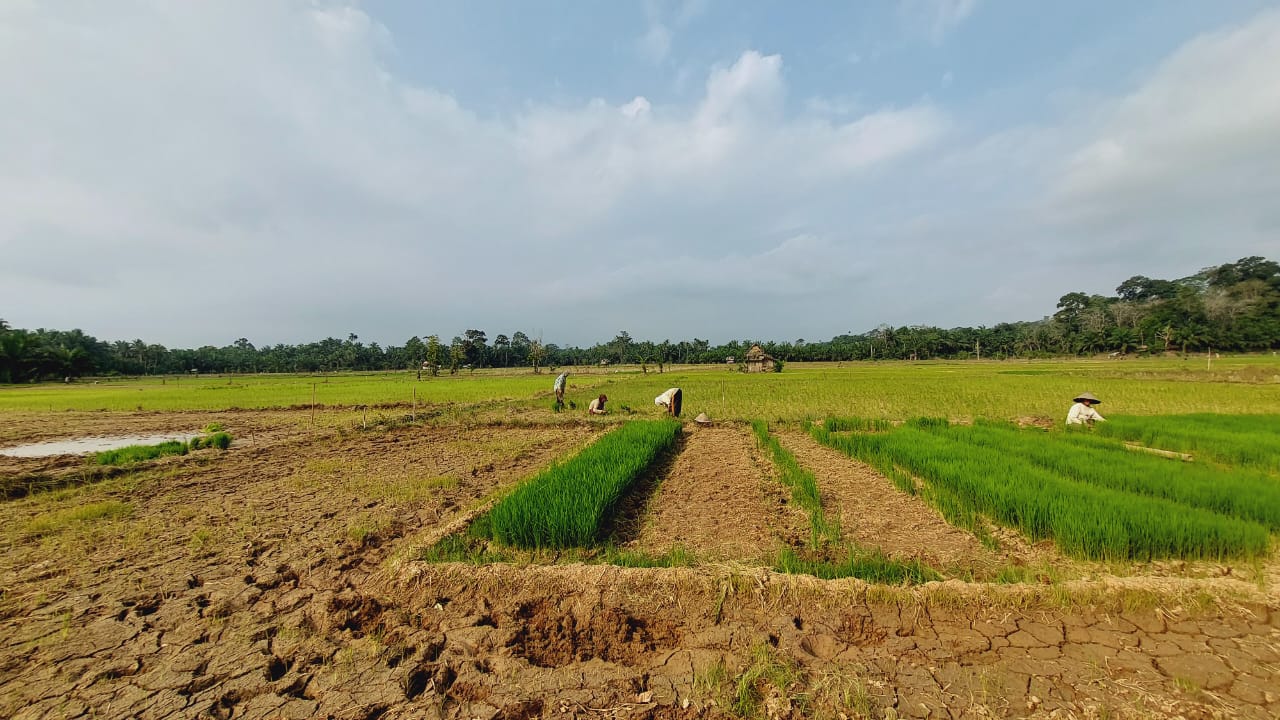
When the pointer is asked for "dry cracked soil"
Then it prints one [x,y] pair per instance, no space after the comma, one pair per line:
[278,579]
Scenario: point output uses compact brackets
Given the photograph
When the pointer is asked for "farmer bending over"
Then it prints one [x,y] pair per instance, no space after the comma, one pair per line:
[670,400]
[597,405]
[1082,413]
[559,387]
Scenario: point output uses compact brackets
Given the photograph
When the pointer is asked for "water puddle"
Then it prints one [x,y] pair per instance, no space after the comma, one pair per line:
[82,446]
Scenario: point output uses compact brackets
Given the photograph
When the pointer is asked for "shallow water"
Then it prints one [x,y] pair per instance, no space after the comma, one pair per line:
[82,446]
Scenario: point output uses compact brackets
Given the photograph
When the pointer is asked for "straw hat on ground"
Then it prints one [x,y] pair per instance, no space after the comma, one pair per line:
[1086,396]
[702,419]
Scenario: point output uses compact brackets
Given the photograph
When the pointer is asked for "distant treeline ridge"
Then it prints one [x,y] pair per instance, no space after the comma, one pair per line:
[1232,307]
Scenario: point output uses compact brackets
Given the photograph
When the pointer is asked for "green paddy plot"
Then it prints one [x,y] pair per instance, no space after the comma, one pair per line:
[1251,441]
[567,505]
[1094,498]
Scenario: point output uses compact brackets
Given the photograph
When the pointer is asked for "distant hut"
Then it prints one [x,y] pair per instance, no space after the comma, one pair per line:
[758,360]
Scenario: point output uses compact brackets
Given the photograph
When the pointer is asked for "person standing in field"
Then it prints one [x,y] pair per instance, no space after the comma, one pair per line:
[670,400]
[561,379]
[597,405]
[1082,413]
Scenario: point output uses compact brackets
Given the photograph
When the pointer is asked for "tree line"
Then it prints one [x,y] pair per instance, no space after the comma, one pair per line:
[1232,307]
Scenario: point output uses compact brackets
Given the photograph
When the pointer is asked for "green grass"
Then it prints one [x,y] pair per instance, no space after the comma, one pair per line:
[804,486]
[1083,519]
[566,505]
[869,565]
[138,453]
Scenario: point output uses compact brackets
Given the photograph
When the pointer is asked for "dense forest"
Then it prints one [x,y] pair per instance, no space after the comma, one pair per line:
[1233,307]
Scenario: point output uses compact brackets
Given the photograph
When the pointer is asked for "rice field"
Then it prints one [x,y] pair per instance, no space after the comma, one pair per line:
[889,390]
[1094,498]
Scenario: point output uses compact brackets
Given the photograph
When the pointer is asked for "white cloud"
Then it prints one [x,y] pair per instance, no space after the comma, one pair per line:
[1185,165]
[1207,116]
[262,159]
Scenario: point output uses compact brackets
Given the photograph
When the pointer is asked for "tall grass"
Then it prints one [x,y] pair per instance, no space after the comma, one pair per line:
[566,505]
[1083,519]
[804,486]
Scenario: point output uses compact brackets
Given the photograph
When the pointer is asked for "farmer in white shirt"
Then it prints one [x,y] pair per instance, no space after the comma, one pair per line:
[671,400]
[597,405]
[1082,413]
[559,387]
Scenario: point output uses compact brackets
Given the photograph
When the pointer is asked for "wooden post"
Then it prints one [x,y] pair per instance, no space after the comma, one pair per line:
[413,417]
[1209,361]
[313,406]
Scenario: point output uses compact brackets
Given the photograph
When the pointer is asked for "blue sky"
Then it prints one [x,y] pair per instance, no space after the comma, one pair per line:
[190,173]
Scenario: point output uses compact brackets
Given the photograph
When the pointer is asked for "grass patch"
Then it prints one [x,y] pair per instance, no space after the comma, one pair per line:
[869,565]
[766,670]
[57,521]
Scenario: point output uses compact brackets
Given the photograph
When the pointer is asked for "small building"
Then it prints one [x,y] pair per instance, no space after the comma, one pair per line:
[729,360]
[758,360]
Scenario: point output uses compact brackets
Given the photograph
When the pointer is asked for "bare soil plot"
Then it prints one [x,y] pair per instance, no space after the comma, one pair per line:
[504,641]
[174,608]
[266,583]
[875,513]
[719,501]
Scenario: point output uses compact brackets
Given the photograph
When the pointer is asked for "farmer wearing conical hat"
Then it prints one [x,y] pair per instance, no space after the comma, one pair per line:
[1082,413]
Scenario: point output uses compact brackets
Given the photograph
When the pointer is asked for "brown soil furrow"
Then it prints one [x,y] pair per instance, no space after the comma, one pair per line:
[720,502]
[874,513]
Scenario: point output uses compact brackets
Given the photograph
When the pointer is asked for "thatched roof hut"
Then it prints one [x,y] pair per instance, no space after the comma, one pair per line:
[758,360]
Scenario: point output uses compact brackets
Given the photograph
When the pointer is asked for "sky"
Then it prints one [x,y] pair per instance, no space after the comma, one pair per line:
[190,173]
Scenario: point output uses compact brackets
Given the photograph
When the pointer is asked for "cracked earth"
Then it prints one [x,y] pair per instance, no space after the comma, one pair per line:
[279,580]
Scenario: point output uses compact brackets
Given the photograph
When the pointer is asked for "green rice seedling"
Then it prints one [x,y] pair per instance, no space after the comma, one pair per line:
[196,443]
[214,427]
[139,453]
[1251,441]
[220,440]
[870,565]
[1083,519]
[804,486]
[566,505]
[1104,462]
